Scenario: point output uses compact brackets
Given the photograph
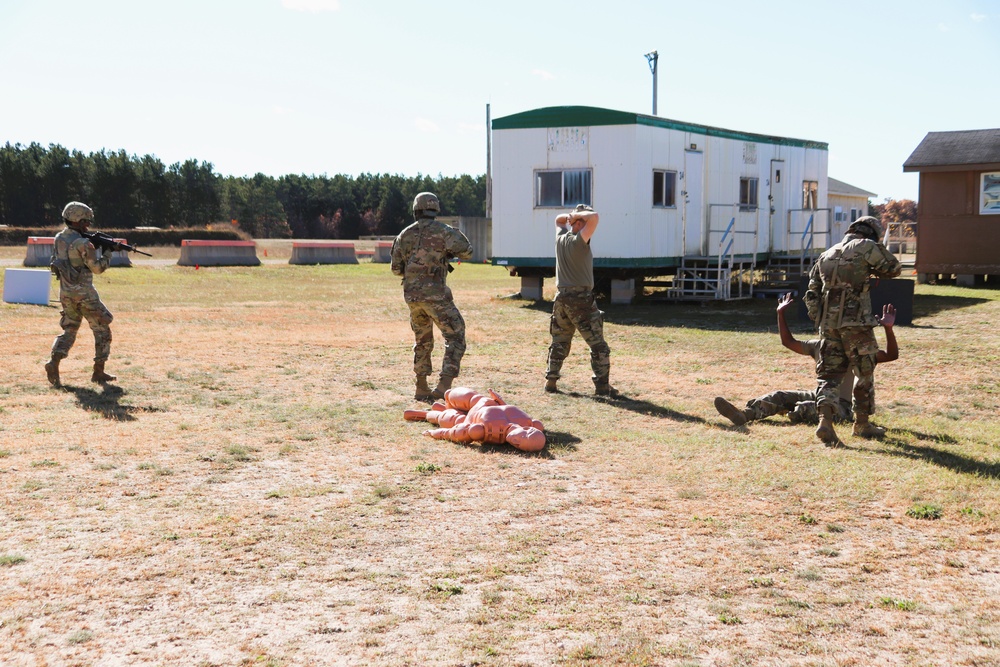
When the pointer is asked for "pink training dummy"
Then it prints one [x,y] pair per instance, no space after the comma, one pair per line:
[467,416]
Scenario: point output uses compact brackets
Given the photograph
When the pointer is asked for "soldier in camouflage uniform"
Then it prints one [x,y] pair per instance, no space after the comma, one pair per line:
[75,260]
[799,405]
[839,303]
[575,308]
[420,256]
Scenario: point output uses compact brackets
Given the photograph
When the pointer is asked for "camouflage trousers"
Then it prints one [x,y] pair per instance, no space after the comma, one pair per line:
[423,316]
[575,309]
[842,351]
[76,308]
[800,406]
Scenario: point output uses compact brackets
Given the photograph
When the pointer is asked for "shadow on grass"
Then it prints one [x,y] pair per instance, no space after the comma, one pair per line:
[106,402]
[641,407]
[751,315]
[559,440]
[950,460]
[936,437]
[555,442]
[925,305]
[748,315]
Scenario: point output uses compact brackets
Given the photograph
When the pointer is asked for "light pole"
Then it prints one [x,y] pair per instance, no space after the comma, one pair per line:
[652,57]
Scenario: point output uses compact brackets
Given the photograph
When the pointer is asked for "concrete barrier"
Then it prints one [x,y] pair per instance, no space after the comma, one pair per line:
[328,252]
[218,253]
[383,253]
[27,286]
[121,257]
[40,252]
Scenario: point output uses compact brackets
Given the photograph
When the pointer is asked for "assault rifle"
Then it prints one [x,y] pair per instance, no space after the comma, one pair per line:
[105,242]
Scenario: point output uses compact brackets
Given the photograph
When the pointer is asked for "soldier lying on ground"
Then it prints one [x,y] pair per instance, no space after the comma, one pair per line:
[800,405]
[467,416]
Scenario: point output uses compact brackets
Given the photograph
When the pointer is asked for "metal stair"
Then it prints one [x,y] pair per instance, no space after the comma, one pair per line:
[783,273]
[708,279]
[721,277]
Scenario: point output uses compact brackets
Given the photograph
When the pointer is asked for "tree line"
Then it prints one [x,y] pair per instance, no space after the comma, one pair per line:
[127,191]
[894,210]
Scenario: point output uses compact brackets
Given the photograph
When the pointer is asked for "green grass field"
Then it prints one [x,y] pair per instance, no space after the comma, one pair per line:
[248,493]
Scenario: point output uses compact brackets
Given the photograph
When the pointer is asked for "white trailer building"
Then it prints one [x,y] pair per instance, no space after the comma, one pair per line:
[702,204]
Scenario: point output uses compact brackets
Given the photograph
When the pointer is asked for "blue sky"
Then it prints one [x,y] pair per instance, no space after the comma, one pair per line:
[352,86]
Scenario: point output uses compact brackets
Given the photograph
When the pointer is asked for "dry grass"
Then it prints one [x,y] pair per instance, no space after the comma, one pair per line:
[250,495]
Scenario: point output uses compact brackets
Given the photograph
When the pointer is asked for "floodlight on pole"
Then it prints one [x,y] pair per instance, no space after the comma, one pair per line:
[652,57]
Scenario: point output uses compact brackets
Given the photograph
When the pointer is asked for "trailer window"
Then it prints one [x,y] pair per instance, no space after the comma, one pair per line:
[809,193]
[567,187]
[989,193]
[664,188]
[748,193]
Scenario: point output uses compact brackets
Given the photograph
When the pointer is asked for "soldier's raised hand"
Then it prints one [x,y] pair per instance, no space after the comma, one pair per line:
[888,315]
[785,301]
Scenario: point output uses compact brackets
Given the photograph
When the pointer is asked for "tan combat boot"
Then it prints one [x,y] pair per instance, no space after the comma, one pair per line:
[731,412]
[444,384]
[52,370]
[552,386]
[99,375]
[865,429]
[423,392]
[604,388]
[825,431]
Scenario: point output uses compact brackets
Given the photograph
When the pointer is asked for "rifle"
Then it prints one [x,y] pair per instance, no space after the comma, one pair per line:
[105,242]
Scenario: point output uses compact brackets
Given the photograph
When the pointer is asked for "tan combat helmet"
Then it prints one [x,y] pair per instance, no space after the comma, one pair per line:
[426,204]
[874,224]
[75,212]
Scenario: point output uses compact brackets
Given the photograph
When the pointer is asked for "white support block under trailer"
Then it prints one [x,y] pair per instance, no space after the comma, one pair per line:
[710,207]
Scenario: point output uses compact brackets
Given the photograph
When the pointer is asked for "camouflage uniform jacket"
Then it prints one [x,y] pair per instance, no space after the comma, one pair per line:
[420,255]
[839,282]
[75,261]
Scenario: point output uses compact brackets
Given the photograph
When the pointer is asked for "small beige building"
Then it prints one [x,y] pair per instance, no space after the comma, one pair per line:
[847,203]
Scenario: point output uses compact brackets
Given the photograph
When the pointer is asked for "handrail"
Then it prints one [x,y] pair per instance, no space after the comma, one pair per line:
[732,222]
[808,231]
[721,289]
[726,254]
[807,238]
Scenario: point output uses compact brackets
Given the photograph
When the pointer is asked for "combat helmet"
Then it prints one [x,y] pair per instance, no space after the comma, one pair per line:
[427,204]
[75,212]
[865,223]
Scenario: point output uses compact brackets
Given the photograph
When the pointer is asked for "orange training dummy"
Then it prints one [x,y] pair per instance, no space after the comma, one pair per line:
[467,416]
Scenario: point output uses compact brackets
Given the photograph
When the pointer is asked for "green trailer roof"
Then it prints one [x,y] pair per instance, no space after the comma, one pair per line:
[590,116]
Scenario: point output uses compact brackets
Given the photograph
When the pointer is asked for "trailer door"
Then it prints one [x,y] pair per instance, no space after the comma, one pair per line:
[776,198]
[694,211]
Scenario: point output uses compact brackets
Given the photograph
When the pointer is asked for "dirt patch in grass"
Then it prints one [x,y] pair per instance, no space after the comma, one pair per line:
[248,493]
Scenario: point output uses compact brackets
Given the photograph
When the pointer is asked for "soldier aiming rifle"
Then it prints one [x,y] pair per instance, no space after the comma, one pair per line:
[108,244]
[76,257]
